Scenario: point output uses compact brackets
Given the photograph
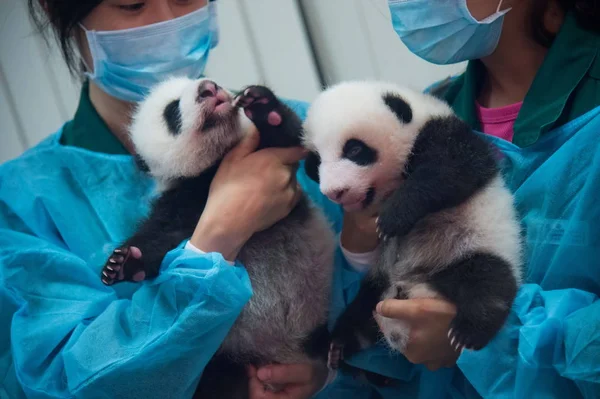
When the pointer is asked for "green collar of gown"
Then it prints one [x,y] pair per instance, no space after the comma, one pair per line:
[566,86]
[87,129]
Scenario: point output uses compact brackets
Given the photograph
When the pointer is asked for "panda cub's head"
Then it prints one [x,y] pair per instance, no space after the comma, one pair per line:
[184,126]
[363,133]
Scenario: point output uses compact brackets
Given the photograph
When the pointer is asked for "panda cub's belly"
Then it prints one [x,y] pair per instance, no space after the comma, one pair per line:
[290,267]
[485,223]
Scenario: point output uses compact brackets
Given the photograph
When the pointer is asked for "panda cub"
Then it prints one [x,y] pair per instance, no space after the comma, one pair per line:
[181,131]
[447,222]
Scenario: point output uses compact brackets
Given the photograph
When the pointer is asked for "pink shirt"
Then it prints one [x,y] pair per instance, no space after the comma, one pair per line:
[498,122]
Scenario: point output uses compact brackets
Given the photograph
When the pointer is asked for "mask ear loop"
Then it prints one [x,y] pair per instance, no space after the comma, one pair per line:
[87,39]
[500,6]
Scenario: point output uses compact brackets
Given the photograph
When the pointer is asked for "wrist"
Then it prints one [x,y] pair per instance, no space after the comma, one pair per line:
[359,234]
[215,236]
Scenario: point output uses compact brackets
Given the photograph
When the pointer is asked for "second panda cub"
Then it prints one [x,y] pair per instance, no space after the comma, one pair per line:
[181,132]
[447,222]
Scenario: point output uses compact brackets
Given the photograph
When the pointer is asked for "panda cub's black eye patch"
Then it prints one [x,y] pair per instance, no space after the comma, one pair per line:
[172,116]
[359,153]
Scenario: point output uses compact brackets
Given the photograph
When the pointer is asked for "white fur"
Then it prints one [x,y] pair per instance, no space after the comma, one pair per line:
[290,264]
[486,223]
[357,110]
[194,150]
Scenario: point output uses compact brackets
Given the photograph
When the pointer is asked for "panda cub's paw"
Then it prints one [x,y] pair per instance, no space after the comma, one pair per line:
[123,265]
[335,355]
[464,334]
[260,105]
[391,223]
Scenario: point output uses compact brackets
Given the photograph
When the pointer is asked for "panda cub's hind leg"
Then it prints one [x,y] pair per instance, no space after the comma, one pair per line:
[483,287]
[356,328]
[278,125]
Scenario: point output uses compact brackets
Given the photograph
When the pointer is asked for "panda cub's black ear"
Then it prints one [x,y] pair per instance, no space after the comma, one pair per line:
[398,106]
[141,164]
[311,166]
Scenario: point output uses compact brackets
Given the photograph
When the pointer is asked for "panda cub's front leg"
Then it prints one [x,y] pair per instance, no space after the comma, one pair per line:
[121,266]
[278,125]
[140,256]
[135,260]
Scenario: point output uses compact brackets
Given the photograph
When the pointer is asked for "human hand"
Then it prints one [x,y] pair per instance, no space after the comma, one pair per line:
[250,192]
[298,381]
[359,232]
[429,321]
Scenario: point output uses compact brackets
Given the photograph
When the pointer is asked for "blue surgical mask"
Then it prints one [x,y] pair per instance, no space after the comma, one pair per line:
[127,63]
[444,31]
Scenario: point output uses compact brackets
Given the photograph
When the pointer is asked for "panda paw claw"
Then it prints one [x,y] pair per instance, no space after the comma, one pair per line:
[260,105]
[123,265]
[463,335]
[335,355]
[391,223]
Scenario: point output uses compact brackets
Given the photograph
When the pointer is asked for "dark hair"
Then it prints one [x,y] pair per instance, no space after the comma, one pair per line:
[587,13]
[62,16]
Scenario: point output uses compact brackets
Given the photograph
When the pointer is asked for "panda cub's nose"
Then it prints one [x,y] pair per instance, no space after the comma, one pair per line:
[337,195]
[207,89]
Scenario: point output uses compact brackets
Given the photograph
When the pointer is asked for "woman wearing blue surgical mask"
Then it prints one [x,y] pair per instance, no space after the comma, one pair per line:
[532,88]
[67,202]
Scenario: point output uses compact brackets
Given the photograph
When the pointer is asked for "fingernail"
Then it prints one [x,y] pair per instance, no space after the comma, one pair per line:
[264,374]
[378,308]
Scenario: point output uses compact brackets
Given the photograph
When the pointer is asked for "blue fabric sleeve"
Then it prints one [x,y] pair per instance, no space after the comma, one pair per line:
[72,337]
[549,348]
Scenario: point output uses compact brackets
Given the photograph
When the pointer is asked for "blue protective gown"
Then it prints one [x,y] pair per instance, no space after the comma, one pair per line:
[62,210]
[550,346]
[64,334]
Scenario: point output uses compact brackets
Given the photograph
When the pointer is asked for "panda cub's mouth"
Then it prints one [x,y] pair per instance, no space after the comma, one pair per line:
[216,104]
[360,204]
[369,197]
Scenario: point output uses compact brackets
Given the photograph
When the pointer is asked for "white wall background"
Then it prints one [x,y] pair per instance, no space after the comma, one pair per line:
[294,46]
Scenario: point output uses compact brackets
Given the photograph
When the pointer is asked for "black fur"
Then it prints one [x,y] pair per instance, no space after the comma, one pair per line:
[317,344]
[357,319]
[287,134]
[448,164]
[141,164]
[311,166]
[223,378]
[358,152]
[399,107]
[483,287]
[172,116]
[173,218]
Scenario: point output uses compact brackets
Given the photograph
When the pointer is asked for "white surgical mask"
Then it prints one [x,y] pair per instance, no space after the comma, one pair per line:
[127,63]
[444,31]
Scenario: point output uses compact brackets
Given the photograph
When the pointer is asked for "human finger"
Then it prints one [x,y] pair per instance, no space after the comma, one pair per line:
[245,147]
[288,155]
[255,387]
[398,309]
[284,374]
[412,309]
